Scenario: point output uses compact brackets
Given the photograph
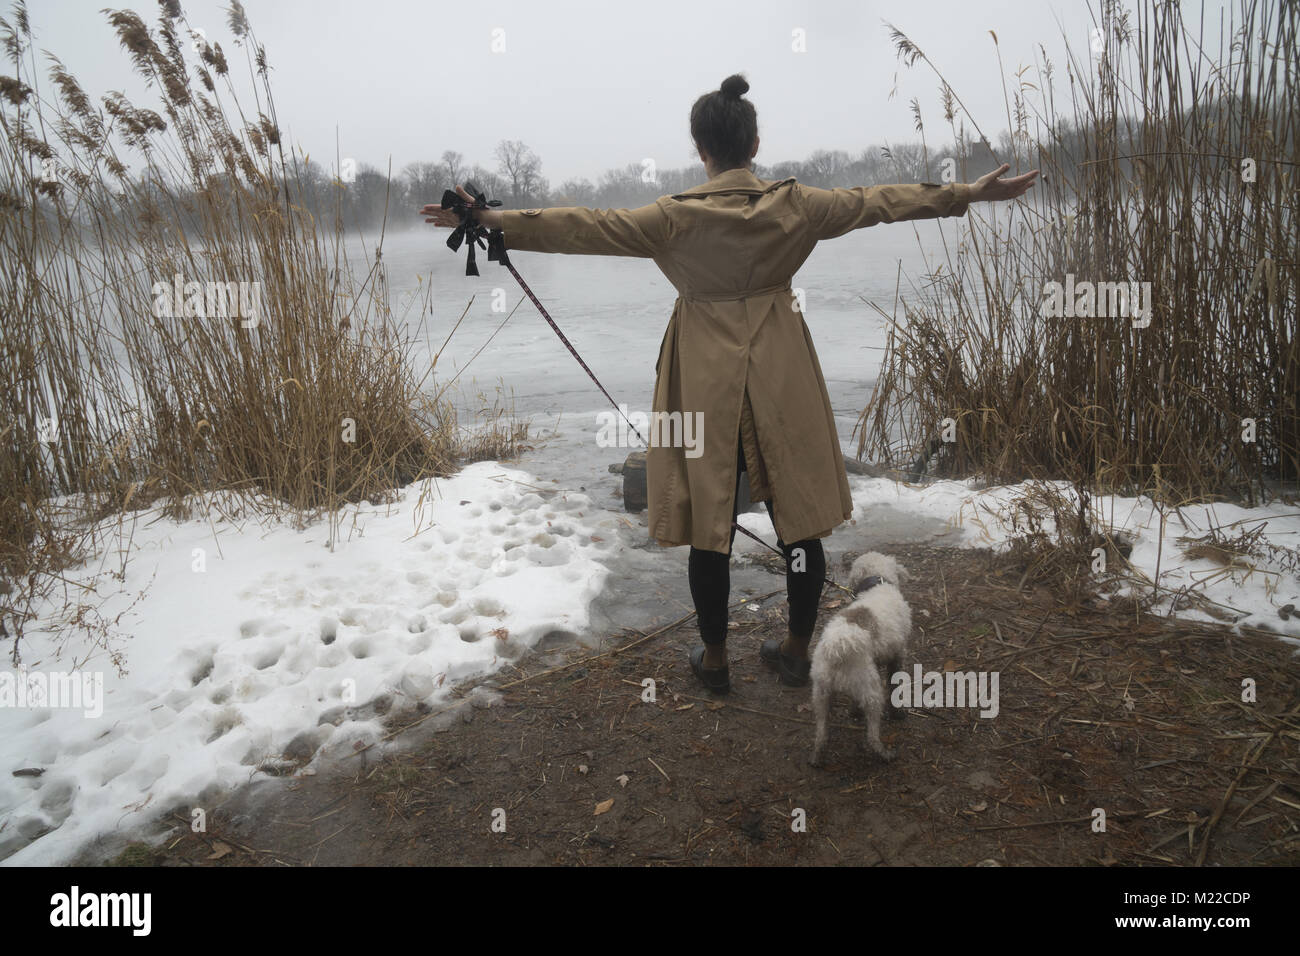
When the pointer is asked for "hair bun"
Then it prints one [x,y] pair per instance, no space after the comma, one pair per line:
[735,86]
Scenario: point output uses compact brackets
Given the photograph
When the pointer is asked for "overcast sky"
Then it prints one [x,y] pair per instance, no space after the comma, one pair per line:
[590,85]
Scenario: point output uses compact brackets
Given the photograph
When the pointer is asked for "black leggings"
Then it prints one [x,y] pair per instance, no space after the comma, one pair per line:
[710,576]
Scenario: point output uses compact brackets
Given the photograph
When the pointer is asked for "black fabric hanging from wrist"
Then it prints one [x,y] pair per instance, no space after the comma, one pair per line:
[471,231]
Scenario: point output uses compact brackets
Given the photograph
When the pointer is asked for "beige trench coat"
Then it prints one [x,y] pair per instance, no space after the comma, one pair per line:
[736,348]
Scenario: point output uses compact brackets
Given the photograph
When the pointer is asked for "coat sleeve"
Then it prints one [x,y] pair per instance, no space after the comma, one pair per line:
[833,212]
[594,232]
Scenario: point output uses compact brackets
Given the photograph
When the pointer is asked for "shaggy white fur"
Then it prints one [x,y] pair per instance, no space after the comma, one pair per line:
[870,633]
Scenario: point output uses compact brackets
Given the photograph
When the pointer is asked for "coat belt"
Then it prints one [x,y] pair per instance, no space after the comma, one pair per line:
[732,296]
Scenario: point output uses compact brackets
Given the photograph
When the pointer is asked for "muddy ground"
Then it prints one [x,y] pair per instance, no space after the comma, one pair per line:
[1101,707]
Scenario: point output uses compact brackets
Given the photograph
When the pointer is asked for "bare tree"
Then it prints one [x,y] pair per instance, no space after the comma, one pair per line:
[521,168]
[575,192]
[906,161]
[869,168]
[491,184]
[423,181]
[826,167]
[786,169]
[673,181]
[366,200]
[452,167]
[626,186]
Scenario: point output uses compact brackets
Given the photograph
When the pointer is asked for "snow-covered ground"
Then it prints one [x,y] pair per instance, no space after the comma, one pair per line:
[281,646]
[1251,591]
[280,643]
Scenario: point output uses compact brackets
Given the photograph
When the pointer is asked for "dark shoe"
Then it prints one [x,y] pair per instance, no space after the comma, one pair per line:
[793,671]
[715,679]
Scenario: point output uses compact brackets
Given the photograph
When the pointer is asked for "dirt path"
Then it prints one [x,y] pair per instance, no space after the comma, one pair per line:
[1099,708]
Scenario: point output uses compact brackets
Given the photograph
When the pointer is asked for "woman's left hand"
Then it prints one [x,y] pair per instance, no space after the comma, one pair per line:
[989,188]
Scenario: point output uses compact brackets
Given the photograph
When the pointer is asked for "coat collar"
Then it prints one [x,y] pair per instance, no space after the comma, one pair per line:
[738,180]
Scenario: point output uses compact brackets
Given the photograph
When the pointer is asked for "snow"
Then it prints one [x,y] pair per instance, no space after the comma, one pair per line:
[227,665]
[1253,593]
[283,644]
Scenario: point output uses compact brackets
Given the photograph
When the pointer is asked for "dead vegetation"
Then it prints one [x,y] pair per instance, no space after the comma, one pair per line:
[1169,157]
[220,341]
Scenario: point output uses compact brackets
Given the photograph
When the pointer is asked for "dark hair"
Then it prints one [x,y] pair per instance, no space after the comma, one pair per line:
[724,125]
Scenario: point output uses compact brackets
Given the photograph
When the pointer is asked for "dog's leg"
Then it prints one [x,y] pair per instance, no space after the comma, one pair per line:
[873,704]
[892,668]
[821,706]
[873,736]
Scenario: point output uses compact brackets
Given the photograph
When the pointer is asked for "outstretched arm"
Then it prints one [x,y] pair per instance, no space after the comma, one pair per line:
[833,212]
[572,229]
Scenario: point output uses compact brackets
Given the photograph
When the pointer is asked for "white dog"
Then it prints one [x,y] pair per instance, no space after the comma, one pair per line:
[870,633]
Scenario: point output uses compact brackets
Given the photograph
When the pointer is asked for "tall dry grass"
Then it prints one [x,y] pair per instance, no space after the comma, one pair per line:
[307,399]
[1142,150]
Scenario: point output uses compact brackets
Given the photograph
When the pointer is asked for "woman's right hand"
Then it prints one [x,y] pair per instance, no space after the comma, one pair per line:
[439,215]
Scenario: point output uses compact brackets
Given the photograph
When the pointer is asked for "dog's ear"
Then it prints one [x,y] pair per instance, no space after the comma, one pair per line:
[860,570]
[903,574]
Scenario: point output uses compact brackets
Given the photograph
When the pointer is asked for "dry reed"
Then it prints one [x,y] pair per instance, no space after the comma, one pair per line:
[283,375]
[1148,158]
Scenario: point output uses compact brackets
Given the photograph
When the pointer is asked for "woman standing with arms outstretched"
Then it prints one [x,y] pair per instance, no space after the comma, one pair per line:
[737,353]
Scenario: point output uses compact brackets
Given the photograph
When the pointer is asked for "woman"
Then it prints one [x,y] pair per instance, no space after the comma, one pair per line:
[737,351]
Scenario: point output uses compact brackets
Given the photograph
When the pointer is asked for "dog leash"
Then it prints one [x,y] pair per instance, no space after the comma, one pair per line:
[474,234]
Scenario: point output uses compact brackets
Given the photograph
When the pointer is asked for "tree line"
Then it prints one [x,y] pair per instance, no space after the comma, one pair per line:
[363,197]
[515,177]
